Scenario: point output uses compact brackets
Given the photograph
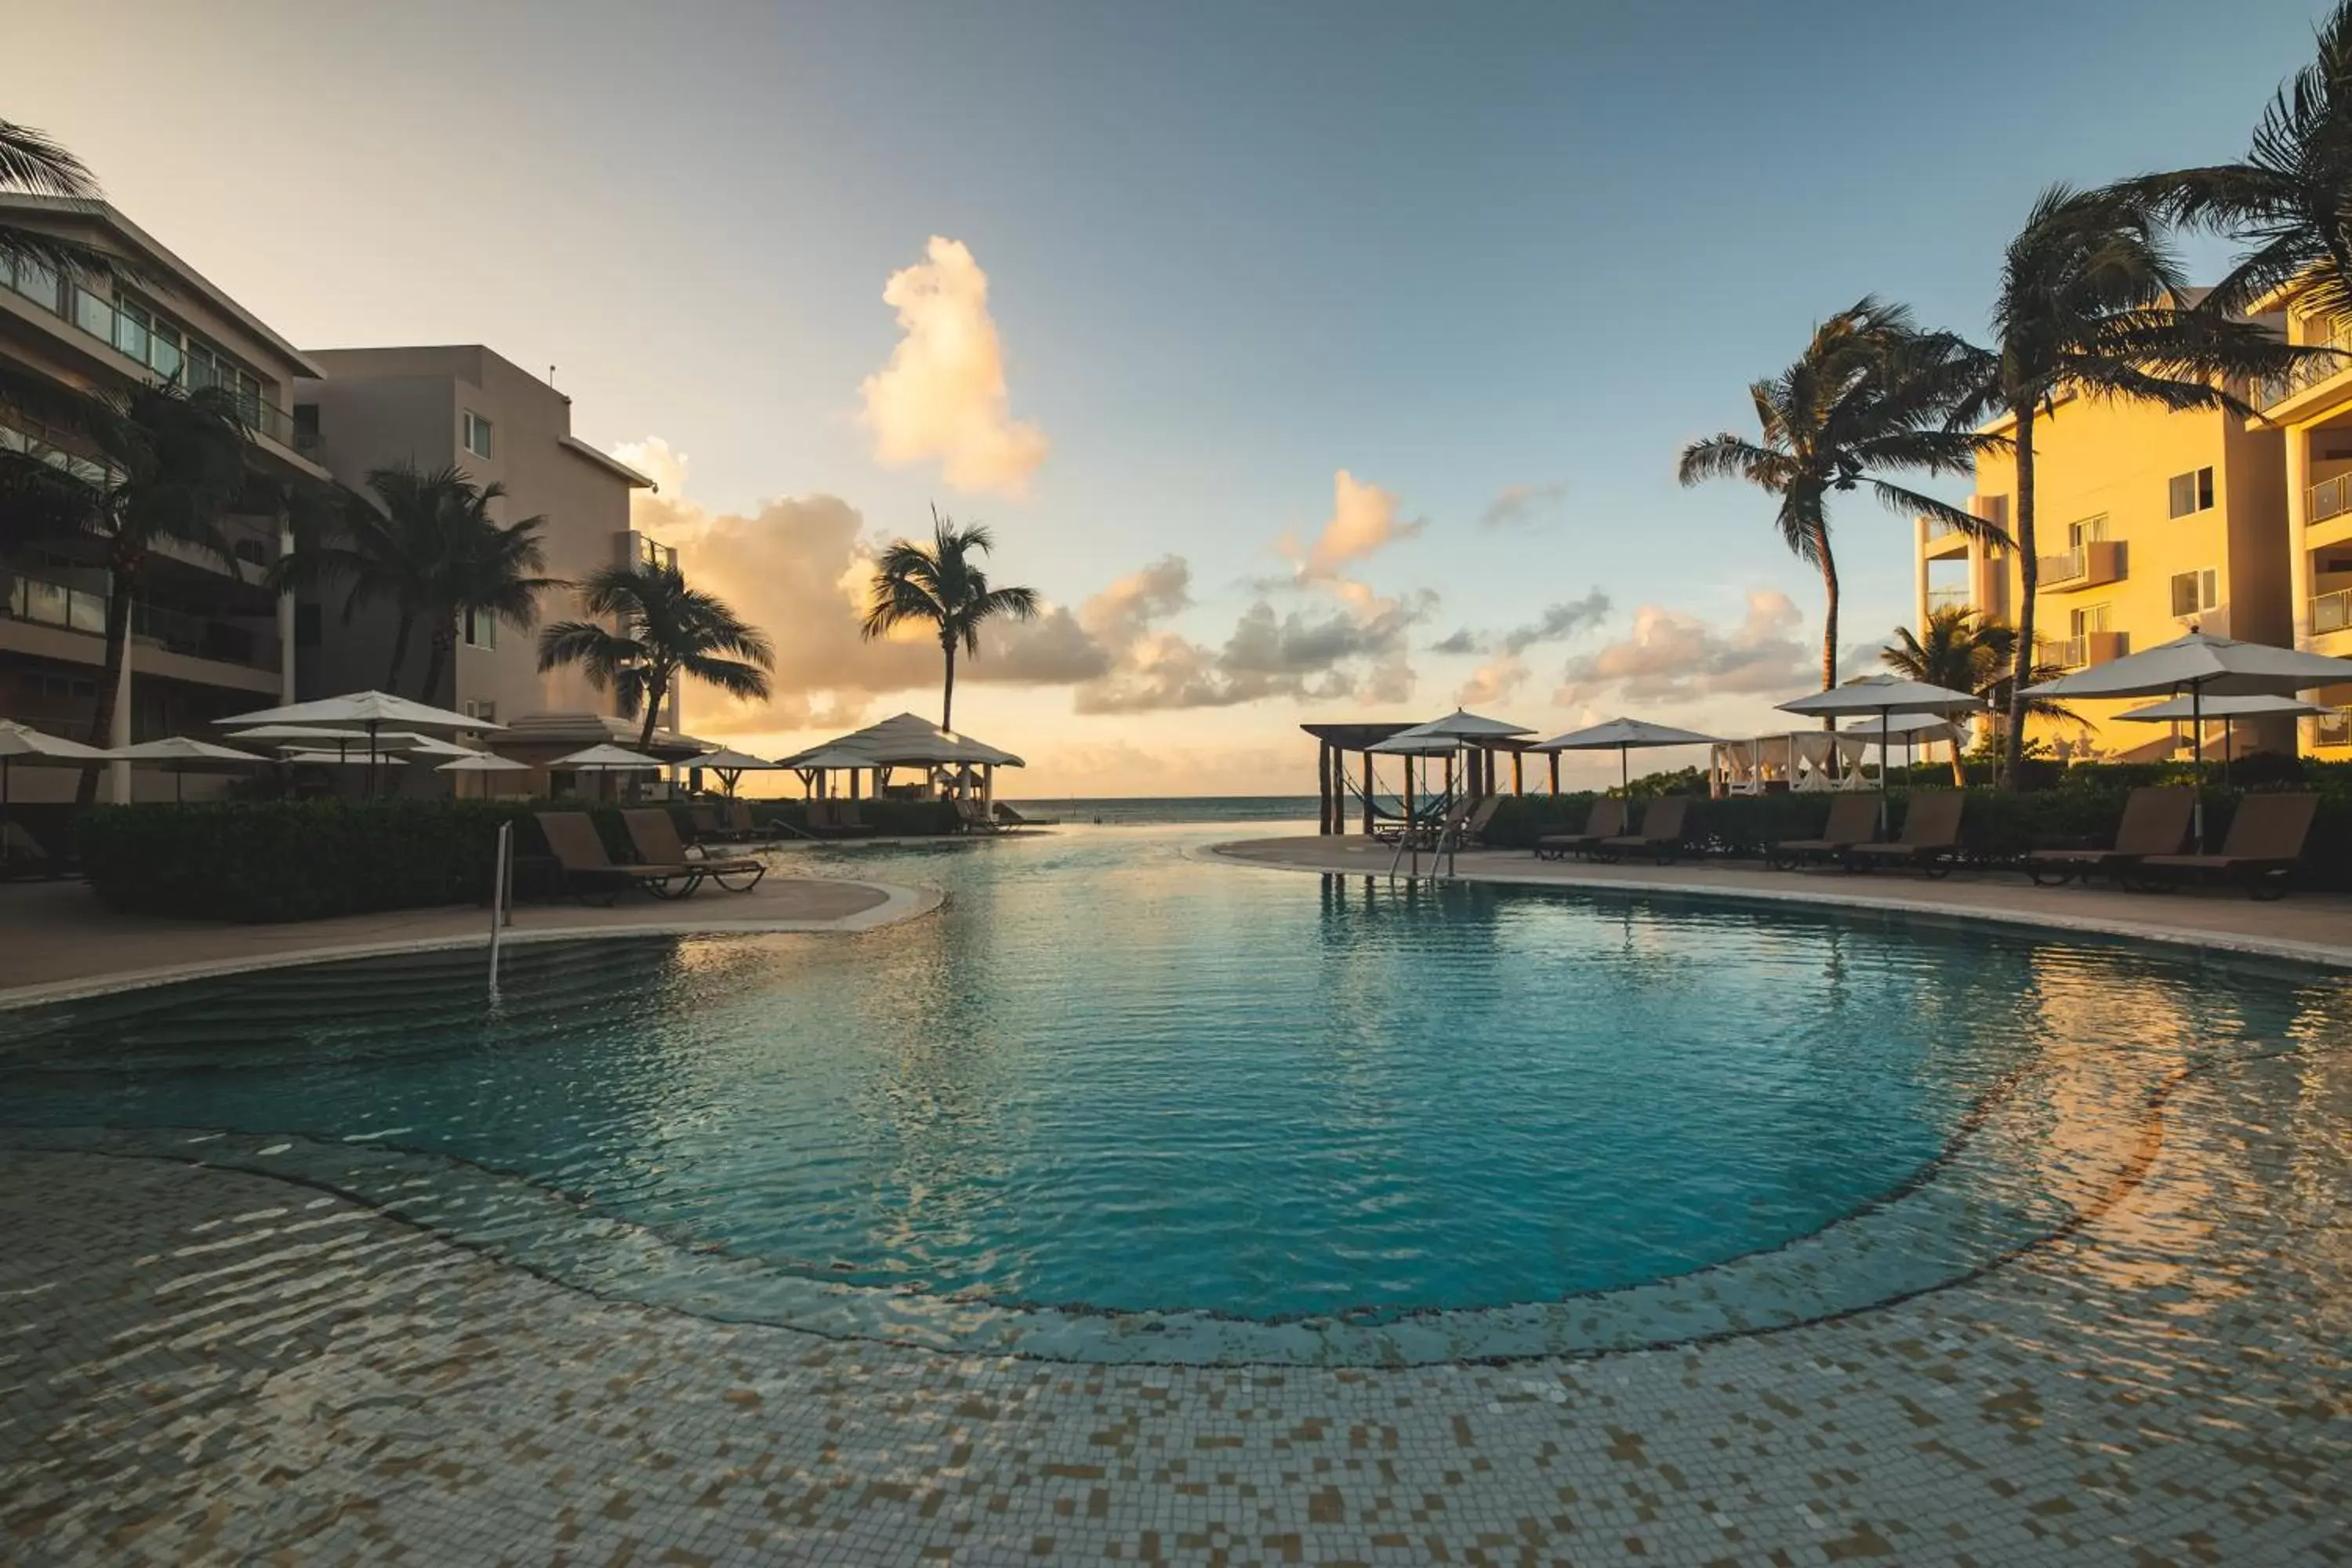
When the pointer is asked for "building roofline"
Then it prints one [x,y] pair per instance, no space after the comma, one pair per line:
[612,465]
[154,250]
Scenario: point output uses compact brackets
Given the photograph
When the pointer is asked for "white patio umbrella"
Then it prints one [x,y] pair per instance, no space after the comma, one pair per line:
[343,759]
[1911,729]
[484,764]
[182,755]
[1622,736]
[1889,697]
[2197,711]
[372,712]
[2203,666]
[1440,738]
[609,759]
[825,760]
[31,747]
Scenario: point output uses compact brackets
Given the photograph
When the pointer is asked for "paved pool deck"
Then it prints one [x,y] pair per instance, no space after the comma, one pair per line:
[2313,928]
[208,1363]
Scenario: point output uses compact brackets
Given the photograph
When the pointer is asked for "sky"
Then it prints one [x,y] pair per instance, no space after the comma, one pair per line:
[1311,361]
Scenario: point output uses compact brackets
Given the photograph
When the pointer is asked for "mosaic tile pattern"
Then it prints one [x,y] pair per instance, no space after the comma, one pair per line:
[202,1365]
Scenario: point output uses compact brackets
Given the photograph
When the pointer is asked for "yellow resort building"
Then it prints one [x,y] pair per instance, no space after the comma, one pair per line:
[2314,410]
[2148,523]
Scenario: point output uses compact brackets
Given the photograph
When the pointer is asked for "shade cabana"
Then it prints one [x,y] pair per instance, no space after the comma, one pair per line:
[904,740]
[1335,745]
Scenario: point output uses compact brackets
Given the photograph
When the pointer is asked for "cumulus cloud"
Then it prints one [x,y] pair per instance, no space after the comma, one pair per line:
[798,568]
[1364,521]
[1556,624]
[1492,684]
[1522,503]
[1673,658]
[1352,652]
[942,396]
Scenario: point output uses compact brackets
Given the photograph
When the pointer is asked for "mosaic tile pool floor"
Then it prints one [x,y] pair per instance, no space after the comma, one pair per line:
[202,1365]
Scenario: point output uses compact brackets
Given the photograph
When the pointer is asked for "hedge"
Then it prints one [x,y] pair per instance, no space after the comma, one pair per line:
[271,861]
[1997,826]
[891,818]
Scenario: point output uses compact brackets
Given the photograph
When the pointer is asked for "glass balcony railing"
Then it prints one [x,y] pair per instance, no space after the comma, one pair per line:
[2332,612]
[155,341]
[2311,372]
[41,602]
[2328,497]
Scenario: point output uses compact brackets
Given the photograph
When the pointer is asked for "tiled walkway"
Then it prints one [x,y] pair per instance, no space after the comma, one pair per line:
[203,1364]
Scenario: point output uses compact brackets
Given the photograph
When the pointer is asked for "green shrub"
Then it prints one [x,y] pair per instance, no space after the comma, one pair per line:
[293,860]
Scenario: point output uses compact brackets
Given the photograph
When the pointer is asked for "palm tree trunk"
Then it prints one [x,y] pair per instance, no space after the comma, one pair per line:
[121,585]
[656,693]
[2029,577]
[436,658]
[399,652]
[1830,624]
[947,693]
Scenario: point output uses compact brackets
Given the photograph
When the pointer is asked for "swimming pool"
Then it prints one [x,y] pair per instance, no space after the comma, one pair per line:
[1115,1102]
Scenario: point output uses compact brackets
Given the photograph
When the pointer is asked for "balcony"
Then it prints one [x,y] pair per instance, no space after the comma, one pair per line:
[2273,390]
[2332,728]
[1946,599]
[38,601]
[157,344]
[2086,649]
[1944,539]
[2332,612]
[2090,565]
[2328,497]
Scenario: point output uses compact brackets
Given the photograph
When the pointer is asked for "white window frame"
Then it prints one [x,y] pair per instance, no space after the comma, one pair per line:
[478,629]
[2201,491]
[2205,592]
[466,427]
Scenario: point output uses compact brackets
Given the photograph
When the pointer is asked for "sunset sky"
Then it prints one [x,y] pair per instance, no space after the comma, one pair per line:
[1314,360]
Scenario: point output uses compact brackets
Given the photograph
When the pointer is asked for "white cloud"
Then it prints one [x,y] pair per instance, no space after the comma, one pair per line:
[943,394]
[1556,624]
[1674,657]
[1364,521]
[1491,685]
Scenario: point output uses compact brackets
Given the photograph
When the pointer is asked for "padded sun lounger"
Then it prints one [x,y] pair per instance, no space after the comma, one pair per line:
[1606,821]
[2265,841]
[655,837]
[2156,822]
[971,816]
[1930,839]
[586,870]
[1473,830]
[740,823]
[1854,820]
[1660,835]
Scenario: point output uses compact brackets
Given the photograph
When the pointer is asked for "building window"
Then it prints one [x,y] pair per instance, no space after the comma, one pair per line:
[2194,591]
[252,551]
[477,433]
[2089,619]
[478,629]
[480,708]
[2192,492]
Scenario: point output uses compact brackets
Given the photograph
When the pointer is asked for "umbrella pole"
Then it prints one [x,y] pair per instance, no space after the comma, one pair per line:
[2197,726]
[1625,771]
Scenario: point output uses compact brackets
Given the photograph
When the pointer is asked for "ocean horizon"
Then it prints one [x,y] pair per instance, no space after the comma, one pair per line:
[1138,810]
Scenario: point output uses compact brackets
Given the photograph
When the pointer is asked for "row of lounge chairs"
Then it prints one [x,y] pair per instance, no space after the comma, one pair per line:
[664,865]
[1464,826]
[2265,842]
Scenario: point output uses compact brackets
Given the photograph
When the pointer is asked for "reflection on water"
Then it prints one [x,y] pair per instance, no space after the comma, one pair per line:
[1109,1074]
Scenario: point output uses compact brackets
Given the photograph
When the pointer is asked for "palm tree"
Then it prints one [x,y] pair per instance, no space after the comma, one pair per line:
[427,547]
[1869,394]
[944,588]
[32,162]
[1957,651]
[667,631]
[2092,304]
[2291,197]
[171,464]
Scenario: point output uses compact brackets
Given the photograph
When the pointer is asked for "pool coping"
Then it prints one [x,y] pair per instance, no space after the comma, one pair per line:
[2217,943]
[900,902]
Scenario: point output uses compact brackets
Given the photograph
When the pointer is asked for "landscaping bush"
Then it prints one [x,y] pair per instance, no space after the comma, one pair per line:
[294,860]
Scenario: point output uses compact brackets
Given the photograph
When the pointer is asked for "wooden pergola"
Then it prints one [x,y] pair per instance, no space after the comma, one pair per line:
[1335,772]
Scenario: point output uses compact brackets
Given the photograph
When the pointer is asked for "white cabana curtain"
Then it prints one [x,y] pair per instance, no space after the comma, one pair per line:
[1808,761]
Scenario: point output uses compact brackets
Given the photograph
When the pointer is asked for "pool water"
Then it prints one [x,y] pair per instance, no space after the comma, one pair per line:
[1114,1075]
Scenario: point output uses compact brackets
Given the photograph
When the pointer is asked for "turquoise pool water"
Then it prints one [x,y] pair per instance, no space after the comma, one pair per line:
[1114,1078]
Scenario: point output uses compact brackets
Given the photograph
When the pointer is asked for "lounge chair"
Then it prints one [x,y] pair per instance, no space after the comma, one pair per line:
[655,834]
[1474,828]
[21,854]
[2265,841]
[1012,818]
[1660,835]
[971,816]
[1854,820]
[845,819]
[583,870]
[1930,839]
[741,824]
[1607,821]
[2156,822]
[1454,828]
[708,827]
